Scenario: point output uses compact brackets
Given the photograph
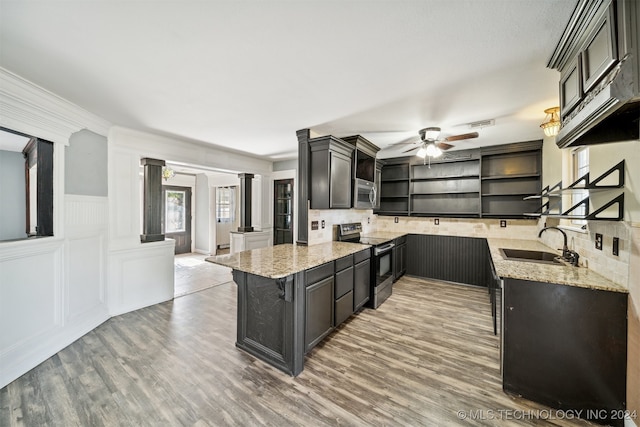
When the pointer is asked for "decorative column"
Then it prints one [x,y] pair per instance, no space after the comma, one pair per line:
[152,215]
[245,202]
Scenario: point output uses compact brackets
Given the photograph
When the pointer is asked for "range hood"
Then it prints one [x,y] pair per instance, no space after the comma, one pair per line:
[609,113]
[599,53]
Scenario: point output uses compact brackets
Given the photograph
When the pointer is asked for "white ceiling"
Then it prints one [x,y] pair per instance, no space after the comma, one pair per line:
[247,74]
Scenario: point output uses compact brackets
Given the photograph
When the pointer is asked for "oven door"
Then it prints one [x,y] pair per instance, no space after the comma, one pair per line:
[364,194]
[383,263]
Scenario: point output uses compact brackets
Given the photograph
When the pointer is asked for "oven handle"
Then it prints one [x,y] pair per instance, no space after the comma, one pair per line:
[382,249]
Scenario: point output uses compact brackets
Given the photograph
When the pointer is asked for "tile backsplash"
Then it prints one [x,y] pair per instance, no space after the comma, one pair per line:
[615,268]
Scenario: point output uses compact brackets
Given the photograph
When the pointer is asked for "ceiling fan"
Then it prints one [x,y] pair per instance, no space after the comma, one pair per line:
[430,145]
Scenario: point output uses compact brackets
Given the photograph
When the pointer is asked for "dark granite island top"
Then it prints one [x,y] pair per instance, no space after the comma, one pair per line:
[286,298]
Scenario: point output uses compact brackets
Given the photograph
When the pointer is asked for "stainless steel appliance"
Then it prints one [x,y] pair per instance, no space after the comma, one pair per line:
[364,194]
[381,265]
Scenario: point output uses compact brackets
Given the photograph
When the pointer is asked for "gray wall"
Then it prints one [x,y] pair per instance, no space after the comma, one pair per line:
[13,195]
[285,165]
[86,164]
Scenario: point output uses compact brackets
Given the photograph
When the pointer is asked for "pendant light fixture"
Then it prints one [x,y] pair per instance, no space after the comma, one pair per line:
[551,124]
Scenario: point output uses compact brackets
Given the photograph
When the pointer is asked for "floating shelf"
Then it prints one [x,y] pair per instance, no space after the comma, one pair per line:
[440,178]
[584,184]
[527,175]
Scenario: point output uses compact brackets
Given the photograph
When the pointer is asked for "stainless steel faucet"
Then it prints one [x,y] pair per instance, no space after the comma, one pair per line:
[567,254]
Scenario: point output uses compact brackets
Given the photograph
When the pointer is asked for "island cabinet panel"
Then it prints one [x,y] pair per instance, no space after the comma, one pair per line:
[361,279]
[450,258]
[268,319]
[566,347]
[319,304]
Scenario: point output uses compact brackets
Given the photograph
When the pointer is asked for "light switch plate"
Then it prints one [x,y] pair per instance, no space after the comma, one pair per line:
[314,225]
[616,246]
[503,223]
[395,220]
[436,221]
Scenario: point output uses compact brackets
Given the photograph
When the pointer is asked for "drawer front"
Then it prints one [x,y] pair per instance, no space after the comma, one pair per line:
[320,272]
[344,308]
[344,282]
[362,255]
[344,262]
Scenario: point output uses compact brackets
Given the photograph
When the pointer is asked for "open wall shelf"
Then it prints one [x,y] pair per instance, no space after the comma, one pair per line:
[610,210]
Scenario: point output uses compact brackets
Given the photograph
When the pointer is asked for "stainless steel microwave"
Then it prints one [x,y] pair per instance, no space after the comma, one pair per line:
[364,194]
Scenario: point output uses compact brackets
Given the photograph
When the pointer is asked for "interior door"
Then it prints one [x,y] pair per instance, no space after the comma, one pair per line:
[283,211]
[176,217]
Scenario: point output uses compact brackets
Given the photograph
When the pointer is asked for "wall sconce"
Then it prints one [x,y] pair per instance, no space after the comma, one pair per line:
[551,124]
[168,173]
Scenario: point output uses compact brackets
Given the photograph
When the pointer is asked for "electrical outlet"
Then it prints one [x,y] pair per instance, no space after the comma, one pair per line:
[314,225]
[322,223]
[599,241]
[616,246]
[368,220]
[395,220]
[503,223]
[436,221]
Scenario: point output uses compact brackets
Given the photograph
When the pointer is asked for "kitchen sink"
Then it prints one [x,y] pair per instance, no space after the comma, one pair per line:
[530,256]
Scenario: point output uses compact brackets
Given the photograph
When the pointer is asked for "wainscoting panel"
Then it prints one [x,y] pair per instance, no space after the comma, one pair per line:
[141,276]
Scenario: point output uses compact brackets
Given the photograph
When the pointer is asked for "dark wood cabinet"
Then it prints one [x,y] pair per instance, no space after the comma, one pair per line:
[399,257]
[598,58]
[361,279]
[344,280]
[378,184]
[600,51]
[394,187]
[508,177]
[319,304]
[566,347]
[330,172]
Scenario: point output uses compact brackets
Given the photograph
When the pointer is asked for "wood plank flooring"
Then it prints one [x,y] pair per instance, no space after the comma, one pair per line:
[424,355]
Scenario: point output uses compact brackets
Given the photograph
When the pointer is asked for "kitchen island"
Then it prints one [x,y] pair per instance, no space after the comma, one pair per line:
[286,297]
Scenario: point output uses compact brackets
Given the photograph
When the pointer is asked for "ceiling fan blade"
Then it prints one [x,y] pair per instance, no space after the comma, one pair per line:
[443,146]
[411,149]
[408,141]
[461,137]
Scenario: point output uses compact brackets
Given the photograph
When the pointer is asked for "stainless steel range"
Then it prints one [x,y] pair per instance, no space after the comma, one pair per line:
[381,265]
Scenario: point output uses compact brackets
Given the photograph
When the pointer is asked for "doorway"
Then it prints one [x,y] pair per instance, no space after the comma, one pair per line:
[283,211]
[176,216]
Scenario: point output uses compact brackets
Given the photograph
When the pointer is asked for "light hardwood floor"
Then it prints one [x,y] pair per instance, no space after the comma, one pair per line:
[424,355]
[193,274]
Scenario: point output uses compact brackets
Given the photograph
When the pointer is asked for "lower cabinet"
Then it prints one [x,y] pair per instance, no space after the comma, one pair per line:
[399,257]
[566,347]
[361,279]
[343,289]
[319,304]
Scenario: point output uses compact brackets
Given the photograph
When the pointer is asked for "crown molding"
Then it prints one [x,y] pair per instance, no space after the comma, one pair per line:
[33,110]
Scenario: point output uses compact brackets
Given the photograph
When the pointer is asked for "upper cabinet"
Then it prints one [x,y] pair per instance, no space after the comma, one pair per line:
[598,60]
[487,182]
[330,171]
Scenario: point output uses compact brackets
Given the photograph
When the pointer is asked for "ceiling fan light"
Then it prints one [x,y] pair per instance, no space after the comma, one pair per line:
[433,151]
[422,152]
[551,125]
[431,134]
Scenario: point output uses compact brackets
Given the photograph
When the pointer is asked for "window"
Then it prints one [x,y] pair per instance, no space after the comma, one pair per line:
[226,204]
[580,166]
[175,213]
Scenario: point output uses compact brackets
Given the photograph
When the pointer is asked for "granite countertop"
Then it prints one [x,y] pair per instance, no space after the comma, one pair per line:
[561,274]
[280,261]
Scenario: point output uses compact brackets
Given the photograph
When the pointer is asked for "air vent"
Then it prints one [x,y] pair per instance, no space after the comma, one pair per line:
[482,124]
